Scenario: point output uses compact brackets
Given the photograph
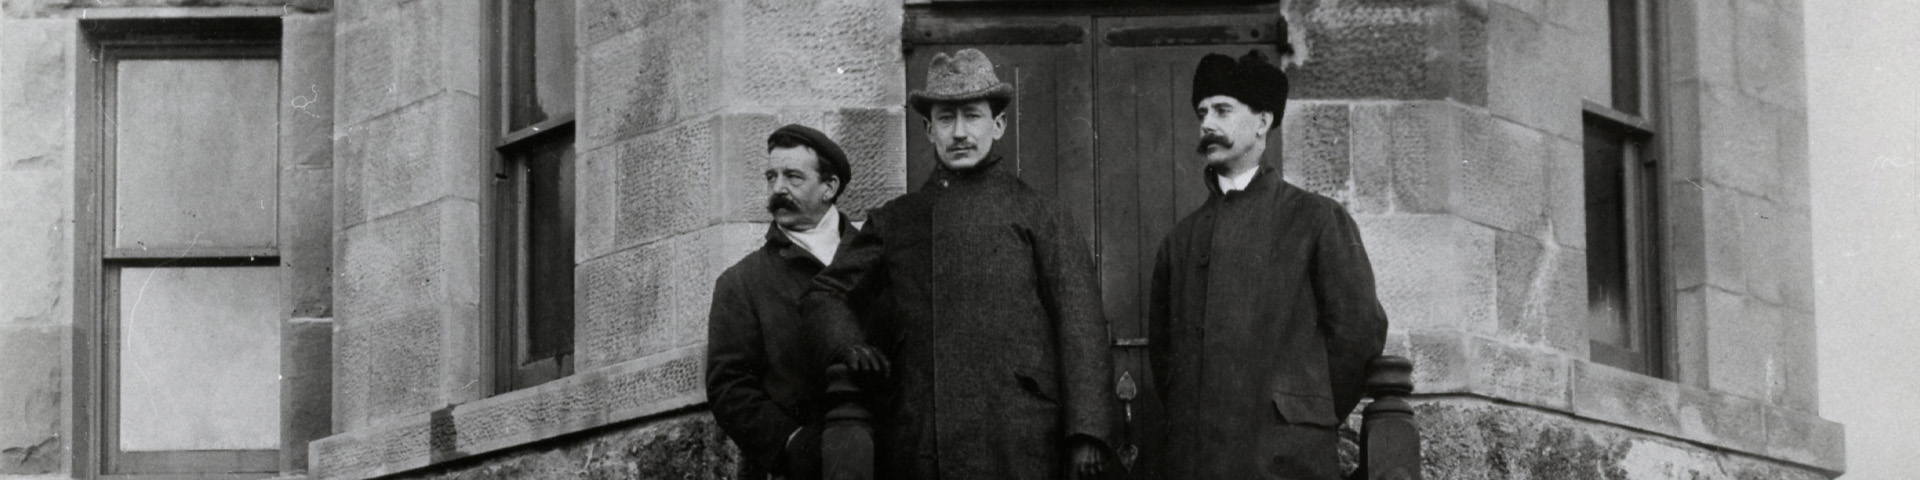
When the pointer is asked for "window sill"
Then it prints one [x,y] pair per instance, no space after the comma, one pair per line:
[629,390]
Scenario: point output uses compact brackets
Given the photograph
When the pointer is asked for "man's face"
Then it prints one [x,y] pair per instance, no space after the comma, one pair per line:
[797,195]
[963,133]
[1229,131]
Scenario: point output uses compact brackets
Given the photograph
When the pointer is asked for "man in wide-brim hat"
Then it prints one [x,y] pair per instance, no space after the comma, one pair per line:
[1262,315]
[985,307]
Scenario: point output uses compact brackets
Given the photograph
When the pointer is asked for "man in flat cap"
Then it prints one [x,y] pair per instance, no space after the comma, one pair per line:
[986,304]
[1262,316]
[765,373]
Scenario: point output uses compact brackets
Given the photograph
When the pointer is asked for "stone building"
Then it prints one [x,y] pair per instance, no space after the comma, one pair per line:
[465,239]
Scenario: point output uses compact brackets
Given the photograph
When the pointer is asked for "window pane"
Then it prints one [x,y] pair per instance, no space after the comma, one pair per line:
[542,60]
[549,331]
[1608,311]
[195,153]
[199,358]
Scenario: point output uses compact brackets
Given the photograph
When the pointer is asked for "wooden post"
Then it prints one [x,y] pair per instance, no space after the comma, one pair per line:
[846,447]
[1389,437]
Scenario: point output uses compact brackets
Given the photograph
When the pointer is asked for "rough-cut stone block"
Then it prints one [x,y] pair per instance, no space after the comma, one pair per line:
[596,201]
[1707,53]
[815,53]
[599,20]
[1689,322]
[32,386]
[1739,141]
[1794,382]
[873,139]
[1765,247]
[1432,271]
[1716,418]
[407,300]
[1509,372]
[1541,293]
[1741,334]
[306,239]
[666,72]
[1613,395]
[1441,362]
[1371,156]
[401,56]
[1723,238]
[1316,138]
[306,94]
[1506,188]
[1806,439]
[306,388]
[1531,66]
[1685,238]
[654,297]
[1566,192]
[1769,52]
[1475,439]
[36,94]
[1395,50]
[586,400]
[421,154]
[689,447]
[35,248]
[1430,140]
[666,182]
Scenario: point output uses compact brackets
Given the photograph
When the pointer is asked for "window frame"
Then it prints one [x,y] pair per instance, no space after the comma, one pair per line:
[99,262]
[506,216]
[1630,117]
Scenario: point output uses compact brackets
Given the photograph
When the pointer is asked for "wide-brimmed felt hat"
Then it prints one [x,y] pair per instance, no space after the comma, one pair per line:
[1251,79]
[964,77]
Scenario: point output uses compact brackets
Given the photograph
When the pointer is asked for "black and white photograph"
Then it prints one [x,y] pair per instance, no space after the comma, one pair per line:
[959,239]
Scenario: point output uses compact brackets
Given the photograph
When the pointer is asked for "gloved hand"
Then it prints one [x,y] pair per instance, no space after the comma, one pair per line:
[1086,459]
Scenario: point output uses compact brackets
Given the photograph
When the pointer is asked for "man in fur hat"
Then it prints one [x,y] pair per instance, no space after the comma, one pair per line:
[1262,316]
[764,372]
[985,302]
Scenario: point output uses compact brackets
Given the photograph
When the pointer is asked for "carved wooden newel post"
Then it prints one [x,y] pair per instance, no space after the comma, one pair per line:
[1389,438]
[846,447]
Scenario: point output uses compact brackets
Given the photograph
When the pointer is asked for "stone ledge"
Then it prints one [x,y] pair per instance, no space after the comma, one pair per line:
[1537,377]
[626,391]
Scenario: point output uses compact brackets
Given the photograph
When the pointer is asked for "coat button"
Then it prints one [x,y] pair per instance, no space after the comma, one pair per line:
[943,183]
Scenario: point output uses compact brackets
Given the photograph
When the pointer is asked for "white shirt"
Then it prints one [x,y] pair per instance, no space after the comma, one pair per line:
[823,239]
[1236,182]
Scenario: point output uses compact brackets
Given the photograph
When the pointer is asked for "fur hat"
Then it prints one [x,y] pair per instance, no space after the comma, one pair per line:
[1252,80]
[964,77]
[829,152]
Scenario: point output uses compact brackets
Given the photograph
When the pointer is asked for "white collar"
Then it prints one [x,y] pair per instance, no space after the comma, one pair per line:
[823,239]
[1236,182]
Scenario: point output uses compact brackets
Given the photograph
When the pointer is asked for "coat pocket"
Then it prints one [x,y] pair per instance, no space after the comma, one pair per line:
[1304,410]
[1040,383]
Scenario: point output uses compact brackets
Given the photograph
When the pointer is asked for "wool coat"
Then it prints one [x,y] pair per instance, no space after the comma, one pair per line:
[1261,321]
[765,374]
[984,297]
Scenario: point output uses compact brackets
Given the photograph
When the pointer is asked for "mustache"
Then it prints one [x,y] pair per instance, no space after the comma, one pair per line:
[1212,139]
[776,203]
[962,146]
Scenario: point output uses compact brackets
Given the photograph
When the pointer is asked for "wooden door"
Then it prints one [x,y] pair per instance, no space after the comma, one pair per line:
[1102,123]
[1148,174]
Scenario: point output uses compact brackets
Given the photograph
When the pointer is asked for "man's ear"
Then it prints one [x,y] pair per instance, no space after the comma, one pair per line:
[833,185]
[1266,121]
[999,125]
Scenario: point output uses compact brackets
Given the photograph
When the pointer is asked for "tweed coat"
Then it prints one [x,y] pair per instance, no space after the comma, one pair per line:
[1261,321]
[985,298]
[765,374]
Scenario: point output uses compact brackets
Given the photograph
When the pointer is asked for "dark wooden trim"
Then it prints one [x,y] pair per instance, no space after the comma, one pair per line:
[939,30]
[1634,124]
[1172,36]
[95,353]
[537,133]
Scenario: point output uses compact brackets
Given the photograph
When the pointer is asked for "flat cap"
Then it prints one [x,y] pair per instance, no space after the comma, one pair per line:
[829,152]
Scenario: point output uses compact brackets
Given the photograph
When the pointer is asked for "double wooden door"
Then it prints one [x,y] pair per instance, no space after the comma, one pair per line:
[1101,121]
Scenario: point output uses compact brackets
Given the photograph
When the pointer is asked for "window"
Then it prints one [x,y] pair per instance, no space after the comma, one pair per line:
[179,259]
[532,195]
[1625,320]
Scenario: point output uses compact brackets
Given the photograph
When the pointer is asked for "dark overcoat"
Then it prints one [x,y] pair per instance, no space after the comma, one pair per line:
[985,298]
[765,374]
[1261,321]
